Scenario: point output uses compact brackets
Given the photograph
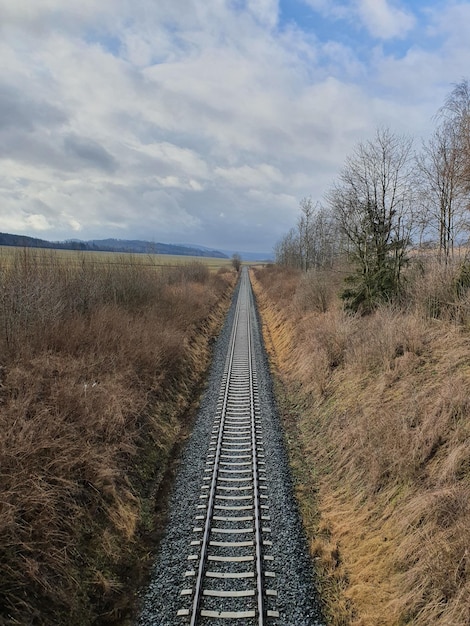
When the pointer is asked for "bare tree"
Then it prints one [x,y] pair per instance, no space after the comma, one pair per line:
[287,250]
[236,261]
[442,165]
[456,112]
[305,230]
[327,239]
[314,243]
[372,202]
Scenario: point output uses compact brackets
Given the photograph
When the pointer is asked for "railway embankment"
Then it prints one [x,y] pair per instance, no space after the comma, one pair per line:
[376,413]
[234,551]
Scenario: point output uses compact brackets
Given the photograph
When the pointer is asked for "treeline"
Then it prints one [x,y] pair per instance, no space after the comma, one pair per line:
[388,198]
[23,241]
[109,245]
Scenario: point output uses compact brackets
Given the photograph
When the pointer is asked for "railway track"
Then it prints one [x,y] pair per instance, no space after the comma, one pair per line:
[230,576]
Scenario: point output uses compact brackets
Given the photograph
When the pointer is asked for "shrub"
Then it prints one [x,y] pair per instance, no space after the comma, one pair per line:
[316,291]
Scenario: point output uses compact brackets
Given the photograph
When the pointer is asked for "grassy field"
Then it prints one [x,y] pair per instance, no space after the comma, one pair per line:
[46,256]
[101,363]
[377,417]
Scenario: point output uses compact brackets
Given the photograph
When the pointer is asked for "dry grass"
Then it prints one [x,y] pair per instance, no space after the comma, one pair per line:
[377,413]
[98,365]
[73,257]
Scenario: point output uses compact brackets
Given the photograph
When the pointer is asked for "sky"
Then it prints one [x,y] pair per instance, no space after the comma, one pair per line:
[206,121]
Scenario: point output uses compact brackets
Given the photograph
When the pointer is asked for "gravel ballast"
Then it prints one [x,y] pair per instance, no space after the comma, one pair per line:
[294,582]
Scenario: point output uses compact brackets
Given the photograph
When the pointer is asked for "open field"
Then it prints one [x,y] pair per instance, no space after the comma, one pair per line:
[377,418]
[47,256]
[100,368]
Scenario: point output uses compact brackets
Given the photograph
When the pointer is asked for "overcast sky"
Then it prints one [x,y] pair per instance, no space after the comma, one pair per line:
[206,121]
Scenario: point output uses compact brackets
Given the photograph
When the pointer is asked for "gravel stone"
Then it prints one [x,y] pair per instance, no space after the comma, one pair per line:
[296,599]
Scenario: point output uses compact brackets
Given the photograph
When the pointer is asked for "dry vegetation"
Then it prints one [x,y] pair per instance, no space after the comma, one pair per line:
[377,412]
[99,362]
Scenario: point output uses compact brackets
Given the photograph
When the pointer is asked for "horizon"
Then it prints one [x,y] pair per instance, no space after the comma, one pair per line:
[190,246]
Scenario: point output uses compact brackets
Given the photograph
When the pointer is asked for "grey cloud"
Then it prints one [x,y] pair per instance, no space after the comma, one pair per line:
[29,148]
[19,110]
[215,140]
[90,153]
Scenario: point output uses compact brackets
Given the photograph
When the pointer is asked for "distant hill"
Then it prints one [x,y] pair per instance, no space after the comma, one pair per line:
[110,245]
[23,241]
[150,247]
[246,256]
[250,256]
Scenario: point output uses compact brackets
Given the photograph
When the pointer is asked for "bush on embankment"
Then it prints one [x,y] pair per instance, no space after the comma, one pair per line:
[377,416]
[99,361]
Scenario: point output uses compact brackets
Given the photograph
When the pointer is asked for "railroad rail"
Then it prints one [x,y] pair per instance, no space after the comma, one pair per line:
[230,565]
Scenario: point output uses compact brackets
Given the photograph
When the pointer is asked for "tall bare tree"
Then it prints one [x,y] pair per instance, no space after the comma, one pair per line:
[287,250]
[314,243]
[456,111]
[372,202]
[442,166]
[306,235]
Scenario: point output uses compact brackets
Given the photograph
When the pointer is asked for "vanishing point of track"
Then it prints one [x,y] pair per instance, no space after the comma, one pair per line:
[229,575]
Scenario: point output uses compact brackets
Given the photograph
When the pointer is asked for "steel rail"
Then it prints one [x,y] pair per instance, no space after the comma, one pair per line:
[256,498]
[235,460]
[198,589]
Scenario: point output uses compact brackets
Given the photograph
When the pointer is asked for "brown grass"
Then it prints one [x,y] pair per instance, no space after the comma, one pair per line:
[98,366]
[377,413]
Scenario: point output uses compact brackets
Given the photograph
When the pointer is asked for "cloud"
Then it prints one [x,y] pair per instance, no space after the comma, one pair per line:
[153,119]
[37,222]
[41,18]
[262,176]
[337,10]
[16,111]
[384,20]
[88,153]
[451,27]
[265,11]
